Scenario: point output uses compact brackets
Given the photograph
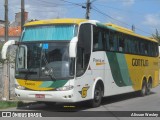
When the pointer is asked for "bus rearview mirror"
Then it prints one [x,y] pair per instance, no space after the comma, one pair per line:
[72,47]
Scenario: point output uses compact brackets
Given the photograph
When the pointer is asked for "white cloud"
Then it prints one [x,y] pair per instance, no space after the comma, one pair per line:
[128,2]
[36,9]
[44,11]
[152,20]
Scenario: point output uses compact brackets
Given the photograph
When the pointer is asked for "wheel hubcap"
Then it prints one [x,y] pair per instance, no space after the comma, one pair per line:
[97,95]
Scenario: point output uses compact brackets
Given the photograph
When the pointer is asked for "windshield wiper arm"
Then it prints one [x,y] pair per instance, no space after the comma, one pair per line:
[27,72]
[49,72]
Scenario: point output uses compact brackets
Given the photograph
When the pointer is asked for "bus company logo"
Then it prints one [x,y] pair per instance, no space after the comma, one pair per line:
[29,83]
[84,92]
[6,114]
[140,62]
[98,62]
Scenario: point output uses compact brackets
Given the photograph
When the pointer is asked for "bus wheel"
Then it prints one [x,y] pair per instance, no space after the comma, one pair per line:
[144,89]
[149,86]
[97,96]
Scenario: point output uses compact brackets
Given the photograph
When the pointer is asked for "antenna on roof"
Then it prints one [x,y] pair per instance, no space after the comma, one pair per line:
[133,28]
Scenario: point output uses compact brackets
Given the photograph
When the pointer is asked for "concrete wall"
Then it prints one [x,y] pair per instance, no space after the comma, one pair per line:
[10,38]
[11,71]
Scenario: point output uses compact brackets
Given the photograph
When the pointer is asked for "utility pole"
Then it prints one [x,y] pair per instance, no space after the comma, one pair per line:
[5,65]
[6,19]
[22,14]
[88,7]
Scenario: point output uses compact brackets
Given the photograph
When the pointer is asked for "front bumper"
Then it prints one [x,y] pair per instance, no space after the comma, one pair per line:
[52,96]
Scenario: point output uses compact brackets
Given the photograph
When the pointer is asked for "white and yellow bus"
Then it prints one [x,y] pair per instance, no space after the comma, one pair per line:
[72,60]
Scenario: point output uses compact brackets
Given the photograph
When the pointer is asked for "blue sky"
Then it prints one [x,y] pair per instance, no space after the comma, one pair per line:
[144,14]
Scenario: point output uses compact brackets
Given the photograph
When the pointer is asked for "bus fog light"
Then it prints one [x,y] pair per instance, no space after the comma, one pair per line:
[65,96]
[65,88]
[19,87]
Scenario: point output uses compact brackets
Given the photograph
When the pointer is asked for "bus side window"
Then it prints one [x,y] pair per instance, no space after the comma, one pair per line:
[156,52]
[136,46]
[127,44]
[142,47]
[113,41]
[98,39]
[153,50]
[106,37]
[111,44]
[121,43]
[146,48]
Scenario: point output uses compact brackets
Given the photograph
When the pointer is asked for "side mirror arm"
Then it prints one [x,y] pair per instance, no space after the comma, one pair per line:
[5,48]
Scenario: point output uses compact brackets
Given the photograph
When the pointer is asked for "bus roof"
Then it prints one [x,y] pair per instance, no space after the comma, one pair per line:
[56,21]
[127,31]
[78,21]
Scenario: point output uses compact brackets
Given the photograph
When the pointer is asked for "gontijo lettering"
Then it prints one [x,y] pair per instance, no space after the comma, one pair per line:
[140,62]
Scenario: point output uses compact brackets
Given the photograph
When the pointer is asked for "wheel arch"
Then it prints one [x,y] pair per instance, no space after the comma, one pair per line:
[150,79]
[144,79]
[98,80]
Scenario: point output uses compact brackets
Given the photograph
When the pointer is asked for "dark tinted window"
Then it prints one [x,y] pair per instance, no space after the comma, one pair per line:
[98,39]
[106,39]
[83,48]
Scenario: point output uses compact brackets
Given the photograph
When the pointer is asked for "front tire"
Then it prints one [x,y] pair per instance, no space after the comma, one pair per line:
[96,101]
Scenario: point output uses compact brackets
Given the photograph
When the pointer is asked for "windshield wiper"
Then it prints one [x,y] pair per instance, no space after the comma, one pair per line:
[27,72]
[49,71]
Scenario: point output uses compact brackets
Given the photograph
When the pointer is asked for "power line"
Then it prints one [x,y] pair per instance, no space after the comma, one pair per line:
[72,3]
[51,3]
[97,10]
[93,1]
[120,9]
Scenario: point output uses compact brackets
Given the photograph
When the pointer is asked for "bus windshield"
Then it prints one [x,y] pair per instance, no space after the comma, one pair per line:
[49,32]
[43,52]
[41,60]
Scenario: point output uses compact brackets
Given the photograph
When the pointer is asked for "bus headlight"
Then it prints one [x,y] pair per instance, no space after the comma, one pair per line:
[65,88]
[19,87]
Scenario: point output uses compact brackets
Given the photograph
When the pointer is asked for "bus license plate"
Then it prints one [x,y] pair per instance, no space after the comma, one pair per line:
[39,95]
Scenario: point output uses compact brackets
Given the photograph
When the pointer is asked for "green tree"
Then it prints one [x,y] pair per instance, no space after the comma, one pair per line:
[157,36]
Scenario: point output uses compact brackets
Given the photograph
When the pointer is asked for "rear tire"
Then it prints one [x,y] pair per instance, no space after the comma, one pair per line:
[143,91]
[96,101]
[149,86]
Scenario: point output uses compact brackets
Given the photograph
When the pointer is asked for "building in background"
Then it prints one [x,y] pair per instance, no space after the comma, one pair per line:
[14,30]
[2,23]
[17,21]
[14,33]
